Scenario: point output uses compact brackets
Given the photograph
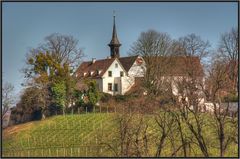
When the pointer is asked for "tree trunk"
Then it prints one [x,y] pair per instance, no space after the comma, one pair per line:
[160,146]
[221,139]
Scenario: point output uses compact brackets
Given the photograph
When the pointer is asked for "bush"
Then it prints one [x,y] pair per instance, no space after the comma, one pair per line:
[231,98]
[105,97]
[121,98]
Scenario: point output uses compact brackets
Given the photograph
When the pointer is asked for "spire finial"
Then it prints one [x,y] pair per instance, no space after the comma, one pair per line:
[114,13]
[114,27]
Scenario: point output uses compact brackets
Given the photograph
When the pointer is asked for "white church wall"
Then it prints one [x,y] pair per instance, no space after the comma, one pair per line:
[115,70]
[115,79]
[127,83]
[137,70]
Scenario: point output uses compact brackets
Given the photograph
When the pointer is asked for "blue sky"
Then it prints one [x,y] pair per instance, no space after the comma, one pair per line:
[26,24]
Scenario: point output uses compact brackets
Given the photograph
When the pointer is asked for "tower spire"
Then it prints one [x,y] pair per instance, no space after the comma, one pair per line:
[114,43]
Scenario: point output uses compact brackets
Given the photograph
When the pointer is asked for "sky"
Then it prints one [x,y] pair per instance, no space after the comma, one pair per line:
[26,24]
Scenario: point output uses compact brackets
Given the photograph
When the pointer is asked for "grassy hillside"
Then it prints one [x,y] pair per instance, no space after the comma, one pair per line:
[82,135]
[70,135]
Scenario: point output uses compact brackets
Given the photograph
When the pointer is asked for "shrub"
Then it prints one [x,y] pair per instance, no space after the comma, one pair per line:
[105,97]
[231,98]
[121,98]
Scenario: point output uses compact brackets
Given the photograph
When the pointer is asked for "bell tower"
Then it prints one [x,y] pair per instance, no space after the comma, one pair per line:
[114,43]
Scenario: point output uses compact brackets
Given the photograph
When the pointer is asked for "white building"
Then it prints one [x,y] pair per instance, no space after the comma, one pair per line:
[113,75]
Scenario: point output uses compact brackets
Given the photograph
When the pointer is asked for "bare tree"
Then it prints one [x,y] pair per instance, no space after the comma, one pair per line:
[228,50]
[7,97]
[151,43]
[152,46]
[166,122]
[191,45]
[64,48]
[189,87]
[217,84]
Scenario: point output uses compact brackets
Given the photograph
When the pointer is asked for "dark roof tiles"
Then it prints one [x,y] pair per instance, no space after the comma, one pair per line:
[175,66]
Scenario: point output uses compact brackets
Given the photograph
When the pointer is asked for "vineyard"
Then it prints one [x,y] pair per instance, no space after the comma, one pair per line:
[84,135]
[70,135]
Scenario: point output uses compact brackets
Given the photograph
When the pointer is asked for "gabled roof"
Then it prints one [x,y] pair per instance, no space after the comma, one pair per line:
[127,62]
[88,67]
[102,65]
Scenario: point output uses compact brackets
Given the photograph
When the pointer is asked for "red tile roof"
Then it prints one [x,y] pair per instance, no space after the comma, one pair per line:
[175,65]
[102,65]
[127,62]
[178,65]
[89,66]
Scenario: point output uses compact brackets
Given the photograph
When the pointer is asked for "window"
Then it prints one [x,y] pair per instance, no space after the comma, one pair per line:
[109,73]
[116,65]
[121,74]
[98,72]
[110,86]
[91,73]
[115,87]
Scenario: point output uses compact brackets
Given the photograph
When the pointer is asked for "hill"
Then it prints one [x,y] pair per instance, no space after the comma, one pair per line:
[70,135]
[87,135]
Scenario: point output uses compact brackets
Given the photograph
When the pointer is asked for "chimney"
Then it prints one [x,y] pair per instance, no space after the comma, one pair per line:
[93,60]
[109,57]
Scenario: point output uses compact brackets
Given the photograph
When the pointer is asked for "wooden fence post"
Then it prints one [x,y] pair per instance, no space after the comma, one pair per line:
[28,142]
[49,152]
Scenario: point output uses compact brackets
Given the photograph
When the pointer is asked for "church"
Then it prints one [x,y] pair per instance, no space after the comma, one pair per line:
[115,74]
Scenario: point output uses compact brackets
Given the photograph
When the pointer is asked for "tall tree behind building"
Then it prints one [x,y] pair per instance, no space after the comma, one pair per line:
[7,97]
[228,50]
[152,45]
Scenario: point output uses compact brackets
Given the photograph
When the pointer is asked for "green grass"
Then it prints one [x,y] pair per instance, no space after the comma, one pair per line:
[82,136]
[71,133]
